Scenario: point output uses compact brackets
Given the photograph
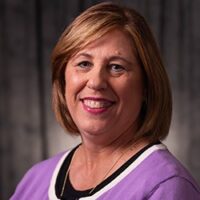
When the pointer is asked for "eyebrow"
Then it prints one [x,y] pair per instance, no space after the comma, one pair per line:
[83,54]
[121,58]
[111,58]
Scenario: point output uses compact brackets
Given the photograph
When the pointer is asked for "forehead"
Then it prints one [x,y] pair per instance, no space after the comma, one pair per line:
[115,42]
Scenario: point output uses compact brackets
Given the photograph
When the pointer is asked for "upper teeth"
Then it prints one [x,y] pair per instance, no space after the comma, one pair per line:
[96,104]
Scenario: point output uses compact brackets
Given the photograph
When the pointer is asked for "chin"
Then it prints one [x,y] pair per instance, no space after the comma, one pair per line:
[93,130]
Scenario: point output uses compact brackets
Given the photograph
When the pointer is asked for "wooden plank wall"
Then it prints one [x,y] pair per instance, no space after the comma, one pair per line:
[29,30]
[20,115]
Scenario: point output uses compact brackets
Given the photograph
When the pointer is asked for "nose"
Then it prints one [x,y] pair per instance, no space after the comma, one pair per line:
[97,79]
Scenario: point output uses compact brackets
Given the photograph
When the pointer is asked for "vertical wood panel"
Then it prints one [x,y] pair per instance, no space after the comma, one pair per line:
[55,17]
[3,86]
[20,115]
[194,94]
[40,74]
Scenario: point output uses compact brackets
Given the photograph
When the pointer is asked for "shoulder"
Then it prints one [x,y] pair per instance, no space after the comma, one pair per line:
[38,176]
[167,176]
[155,174]
[166,165]
[175,188]
[46,166]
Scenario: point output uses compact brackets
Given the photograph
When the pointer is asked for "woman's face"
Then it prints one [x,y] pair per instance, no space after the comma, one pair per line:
[104,87]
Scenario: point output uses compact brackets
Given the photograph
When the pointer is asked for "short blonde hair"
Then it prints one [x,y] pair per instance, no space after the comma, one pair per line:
[94,23]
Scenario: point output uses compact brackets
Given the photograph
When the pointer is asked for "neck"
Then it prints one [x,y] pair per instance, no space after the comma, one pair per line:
[95,153]
[96,162]
[96,143]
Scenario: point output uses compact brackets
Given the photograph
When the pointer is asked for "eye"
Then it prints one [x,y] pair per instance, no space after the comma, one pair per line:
[116,68]
[84,64]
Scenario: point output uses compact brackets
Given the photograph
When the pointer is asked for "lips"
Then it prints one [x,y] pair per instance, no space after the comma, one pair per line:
[96,105]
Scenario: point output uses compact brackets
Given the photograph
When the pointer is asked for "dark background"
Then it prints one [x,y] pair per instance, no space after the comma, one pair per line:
[29,30]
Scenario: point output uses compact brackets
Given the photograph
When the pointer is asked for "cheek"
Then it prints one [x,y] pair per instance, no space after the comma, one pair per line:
[73,85]
[132,96]
[132,89]
[69,85]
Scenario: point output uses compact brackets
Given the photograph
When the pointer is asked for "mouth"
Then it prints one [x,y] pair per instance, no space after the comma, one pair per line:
[96,105]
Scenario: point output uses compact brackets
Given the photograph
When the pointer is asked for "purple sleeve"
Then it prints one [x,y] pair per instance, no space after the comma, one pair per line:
[35,183]
[32,186]
[175,188]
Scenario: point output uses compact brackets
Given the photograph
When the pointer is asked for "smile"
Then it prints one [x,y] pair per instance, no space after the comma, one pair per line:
[96,105]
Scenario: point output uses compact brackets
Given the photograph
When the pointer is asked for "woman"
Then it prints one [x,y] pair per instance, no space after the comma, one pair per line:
[110,87]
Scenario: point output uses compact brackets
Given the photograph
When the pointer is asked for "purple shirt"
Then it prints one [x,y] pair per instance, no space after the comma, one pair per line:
[154,175]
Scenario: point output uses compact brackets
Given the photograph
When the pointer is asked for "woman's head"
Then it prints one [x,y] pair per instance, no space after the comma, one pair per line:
[93,24]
